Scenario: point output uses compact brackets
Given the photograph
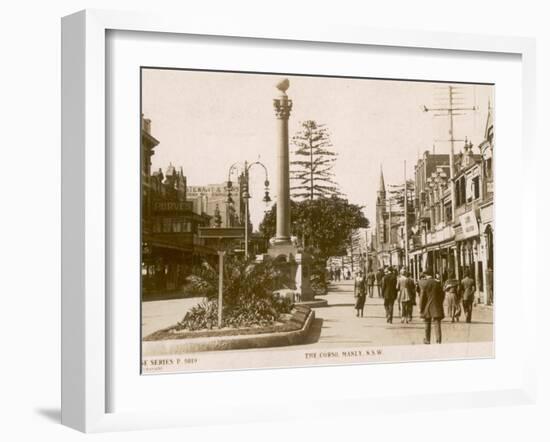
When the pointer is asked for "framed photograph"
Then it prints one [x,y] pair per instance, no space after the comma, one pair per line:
[253,211]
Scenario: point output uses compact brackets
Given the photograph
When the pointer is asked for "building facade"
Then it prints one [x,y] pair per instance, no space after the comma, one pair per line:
[213,198]
[170,243]
[431,242]
[453,231]
[487,224]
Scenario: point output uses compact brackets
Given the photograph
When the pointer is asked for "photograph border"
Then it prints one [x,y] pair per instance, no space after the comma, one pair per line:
[85,316]
[327,363]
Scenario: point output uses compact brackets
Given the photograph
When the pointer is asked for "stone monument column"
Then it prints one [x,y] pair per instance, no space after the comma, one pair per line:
[283,106]
[295,264]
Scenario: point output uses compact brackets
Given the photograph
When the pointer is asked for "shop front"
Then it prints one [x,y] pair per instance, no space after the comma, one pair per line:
[487,246]
[471,252]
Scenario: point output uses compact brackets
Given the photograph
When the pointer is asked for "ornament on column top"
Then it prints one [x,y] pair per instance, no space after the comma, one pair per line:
[283,105]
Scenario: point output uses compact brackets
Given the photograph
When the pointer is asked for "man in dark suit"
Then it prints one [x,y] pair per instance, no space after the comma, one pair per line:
[379,276]
[468,289]
[371,277]
[389,292]
[431,306]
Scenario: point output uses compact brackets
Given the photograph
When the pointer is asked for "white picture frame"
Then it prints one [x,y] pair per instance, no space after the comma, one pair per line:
[85,312]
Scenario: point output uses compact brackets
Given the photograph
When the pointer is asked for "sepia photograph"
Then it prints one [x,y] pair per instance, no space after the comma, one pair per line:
[302,220]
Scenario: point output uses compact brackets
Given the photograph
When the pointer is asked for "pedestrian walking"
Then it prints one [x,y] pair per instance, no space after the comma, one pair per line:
[468,289]
[360,293]
[431,307]
[406,295]
[379,276]
[452,298]
[338,274]
[371,278]
[389,292]
[417,288]
[490,286]
[332,274]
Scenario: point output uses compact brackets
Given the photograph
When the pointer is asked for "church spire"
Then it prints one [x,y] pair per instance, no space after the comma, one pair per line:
[382,187]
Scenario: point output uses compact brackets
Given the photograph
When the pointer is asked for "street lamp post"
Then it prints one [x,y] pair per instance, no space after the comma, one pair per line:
[246,195]
[221,253]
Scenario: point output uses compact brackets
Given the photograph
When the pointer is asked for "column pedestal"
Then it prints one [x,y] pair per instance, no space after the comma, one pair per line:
[296,268]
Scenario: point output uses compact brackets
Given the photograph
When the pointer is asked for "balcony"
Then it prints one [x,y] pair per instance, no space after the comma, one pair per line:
[440,234]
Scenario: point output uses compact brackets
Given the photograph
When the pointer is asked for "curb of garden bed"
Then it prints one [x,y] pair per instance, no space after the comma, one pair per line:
[315,303]
[238,342]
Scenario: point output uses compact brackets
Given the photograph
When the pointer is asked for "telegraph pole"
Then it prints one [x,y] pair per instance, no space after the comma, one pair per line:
[221,253]
[453,109]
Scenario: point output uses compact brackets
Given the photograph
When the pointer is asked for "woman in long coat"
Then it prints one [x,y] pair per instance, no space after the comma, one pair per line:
[406,295]
[360,293]
[452,298]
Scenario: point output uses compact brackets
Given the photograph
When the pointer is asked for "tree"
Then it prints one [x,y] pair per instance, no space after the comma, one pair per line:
[325,224]
[312,171]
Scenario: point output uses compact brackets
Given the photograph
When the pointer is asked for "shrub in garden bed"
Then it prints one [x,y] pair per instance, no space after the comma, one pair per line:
[248,299]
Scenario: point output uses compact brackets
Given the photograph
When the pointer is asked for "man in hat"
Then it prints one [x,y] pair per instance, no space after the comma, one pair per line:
[379,276]
[389,292]
[431,306]
[468,289]
[371,277]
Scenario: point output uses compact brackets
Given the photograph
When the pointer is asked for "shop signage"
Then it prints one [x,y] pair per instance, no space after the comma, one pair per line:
[174,207]
[210,191]
[468,222]
[440,235]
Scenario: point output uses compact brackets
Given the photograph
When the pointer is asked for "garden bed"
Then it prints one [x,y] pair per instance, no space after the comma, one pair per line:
[293,321]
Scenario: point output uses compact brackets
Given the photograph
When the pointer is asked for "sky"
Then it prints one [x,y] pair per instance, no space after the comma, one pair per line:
[207,121]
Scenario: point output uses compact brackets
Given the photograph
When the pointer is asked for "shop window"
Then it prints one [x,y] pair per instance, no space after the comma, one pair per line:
[448,212]
[460,191]
[475,186]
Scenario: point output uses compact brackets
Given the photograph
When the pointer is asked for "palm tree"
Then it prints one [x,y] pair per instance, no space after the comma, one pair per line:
[248,297]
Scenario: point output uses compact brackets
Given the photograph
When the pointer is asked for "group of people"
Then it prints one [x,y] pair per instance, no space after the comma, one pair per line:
[432,295]
[373,279]
[338,273]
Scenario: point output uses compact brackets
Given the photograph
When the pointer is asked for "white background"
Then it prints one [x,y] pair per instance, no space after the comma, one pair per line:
[29,115]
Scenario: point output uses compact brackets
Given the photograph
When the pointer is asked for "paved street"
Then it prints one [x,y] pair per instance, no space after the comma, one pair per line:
[156,315]
[337,325]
